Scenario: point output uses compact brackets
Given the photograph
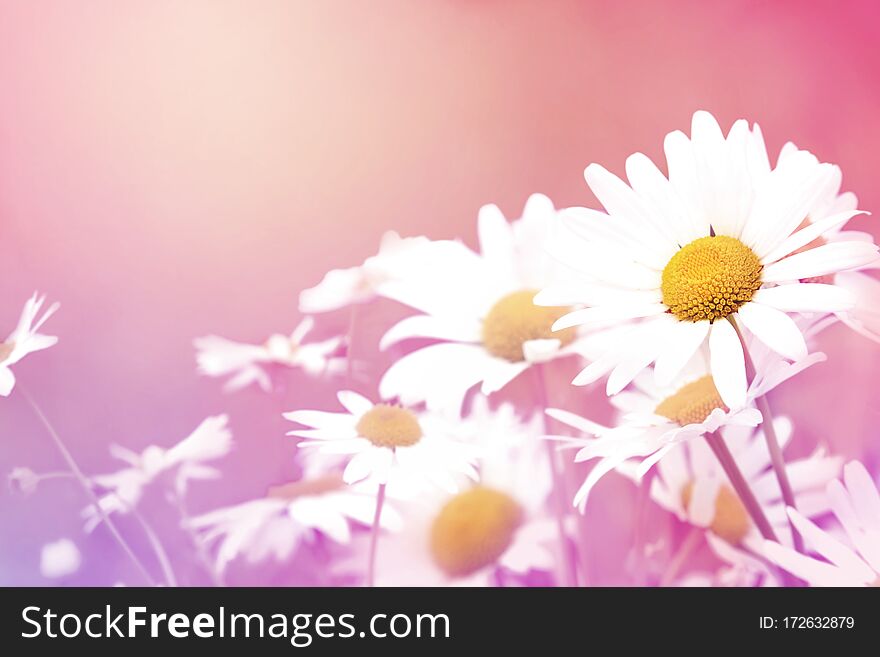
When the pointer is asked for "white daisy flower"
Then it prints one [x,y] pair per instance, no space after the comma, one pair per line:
[713,241]
[24,340]
[656,418]
[738,569]
[498,526]
[856,562]
[691,484]
[277,524]
[864,317]
[387,444]
[184,462]
[248,363]
[345,287]
[480,306]
[59,559]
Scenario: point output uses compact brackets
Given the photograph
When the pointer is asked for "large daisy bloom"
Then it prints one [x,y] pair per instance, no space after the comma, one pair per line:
[691,484]
[248,363]
[275,525]
[489,530]
[864,317]
[24,340]
[852,562]
[387,444]
[479,306]
[655,418]
[714,241]
[345,287]
[183,463]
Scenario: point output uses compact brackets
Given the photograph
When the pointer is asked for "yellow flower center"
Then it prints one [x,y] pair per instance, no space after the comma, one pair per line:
[386,425]
[514,319]
[692,403]
[473,530]
[317,486]
[731,521]
[6,348]
[710,278]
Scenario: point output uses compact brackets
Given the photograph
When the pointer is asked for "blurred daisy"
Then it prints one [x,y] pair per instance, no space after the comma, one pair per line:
[738,569]
[856,562]
[249,363]
[691,484]
[714,241]
[24,340]
[655,418]
[480,307]
[387,444]
[490,529]
[183,463]
[864,317]
[59,559]
[345,287]
[274,526]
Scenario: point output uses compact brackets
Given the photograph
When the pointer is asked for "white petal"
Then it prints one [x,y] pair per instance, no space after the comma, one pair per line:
[7,381]
[806,235]
[684,341]
[806,297]
[775,329]
[499,372]
[831,548]
[428,326]
[727,364]
[822,260]
[864,495]
[354,403]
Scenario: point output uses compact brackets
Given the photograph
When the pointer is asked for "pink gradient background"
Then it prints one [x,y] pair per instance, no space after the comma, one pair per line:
[170,169]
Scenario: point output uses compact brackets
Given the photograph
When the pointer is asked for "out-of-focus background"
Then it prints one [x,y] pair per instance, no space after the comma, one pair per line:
[171,169]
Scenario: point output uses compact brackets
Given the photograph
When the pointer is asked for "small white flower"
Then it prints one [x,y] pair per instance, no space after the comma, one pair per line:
[248,363]
[275,525]
[23,481]
[498,526]
[856,562]
[654,418]
[480,306]
[59,559]
[387,444]
[24,340]
[714,241]
[345,287]
[184,462]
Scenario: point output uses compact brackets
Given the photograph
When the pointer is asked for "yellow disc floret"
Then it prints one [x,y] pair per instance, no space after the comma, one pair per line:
[710,278]
[692,403]
[386,425]
[731,520]
[514,319]
[473,530]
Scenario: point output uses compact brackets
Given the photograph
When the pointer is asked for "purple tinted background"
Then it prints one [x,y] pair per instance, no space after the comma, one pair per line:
[172,169]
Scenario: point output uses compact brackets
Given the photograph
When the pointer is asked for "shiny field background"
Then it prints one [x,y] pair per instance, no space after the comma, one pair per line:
[170,169]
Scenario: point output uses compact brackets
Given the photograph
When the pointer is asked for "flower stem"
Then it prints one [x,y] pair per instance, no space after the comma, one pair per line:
[158,548]
[87,487]
[374,536]
[776,458]
[198,543]
[569,570]
[682,554]
[740,485]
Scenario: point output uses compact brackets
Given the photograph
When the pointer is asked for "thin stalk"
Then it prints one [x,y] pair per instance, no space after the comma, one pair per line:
[158,548]
[86,486]
[569,570]
[374,536]
[740,485]
[776,458]
[198,543]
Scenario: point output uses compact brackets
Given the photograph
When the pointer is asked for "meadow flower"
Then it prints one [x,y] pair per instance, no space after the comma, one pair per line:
[479,305]
[387,443]
[655,418]
[275,525]
[852,562]
[182,463]
[691,484]
[249,363]
[714,241]
[59,559]
[497,527]
[24,340]
[346,287]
